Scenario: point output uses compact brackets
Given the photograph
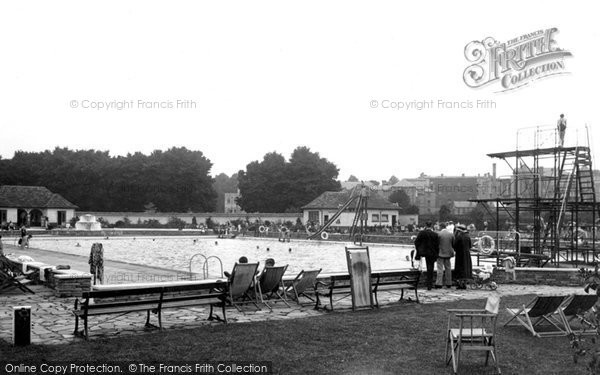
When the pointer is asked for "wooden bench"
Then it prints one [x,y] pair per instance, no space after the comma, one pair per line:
[393,280]
[331,285]
[154,298]
[339,284]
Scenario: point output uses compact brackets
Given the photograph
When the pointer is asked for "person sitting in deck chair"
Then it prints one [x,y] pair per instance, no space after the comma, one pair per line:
[242,259]
[270,262]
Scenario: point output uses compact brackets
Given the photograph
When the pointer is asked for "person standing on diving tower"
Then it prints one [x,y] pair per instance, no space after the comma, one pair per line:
[561,126]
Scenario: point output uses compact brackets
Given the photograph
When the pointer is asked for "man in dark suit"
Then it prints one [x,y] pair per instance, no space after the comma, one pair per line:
[427,244]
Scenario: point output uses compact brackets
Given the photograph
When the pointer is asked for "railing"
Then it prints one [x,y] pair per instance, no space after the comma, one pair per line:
[205,272]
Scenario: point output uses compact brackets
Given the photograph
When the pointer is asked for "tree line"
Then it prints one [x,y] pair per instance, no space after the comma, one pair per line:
[176,180]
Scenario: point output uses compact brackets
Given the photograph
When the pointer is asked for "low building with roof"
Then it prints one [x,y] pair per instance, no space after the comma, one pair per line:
[380,211]
[34,206]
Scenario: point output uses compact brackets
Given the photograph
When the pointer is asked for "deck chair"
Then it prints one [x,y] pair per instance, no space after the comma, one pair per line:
[269,285]
[301,285]
[538,311]
[13,268]
[472,330]
[575,308]
[359,268]
[240,284]
[10,281]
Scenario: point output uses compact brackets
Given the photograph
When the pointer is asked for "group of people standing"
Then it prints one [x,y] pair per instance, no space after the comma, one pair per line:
[437,248]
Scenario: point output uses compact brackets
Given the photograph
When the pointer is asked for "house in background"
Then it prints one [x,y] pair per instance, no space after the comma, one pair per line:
[34,206]
[230,204]
[380,211]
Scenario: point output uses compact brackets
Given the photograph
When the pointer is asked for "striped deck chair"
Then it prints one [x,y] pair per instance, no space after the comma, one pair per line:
[537,312]
[270,285]
[240,284]
[575,308]
[303,283]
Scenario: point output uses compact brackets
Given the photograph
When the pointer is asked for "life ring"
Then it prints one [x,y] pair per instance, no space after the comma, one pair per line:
[262,229]
[486,251]
[324,235]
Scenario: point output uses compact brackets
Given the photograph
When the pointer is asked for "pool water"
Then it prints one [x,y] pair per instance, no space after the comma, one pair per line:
[175,252]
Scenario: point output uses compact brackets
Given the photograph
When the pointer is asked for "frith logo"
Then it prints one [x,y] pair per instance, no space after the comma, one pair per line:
[515,63]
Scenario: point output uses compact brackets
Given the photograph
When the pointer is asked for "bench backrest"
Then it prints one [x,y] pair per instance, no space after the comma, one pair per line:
[153,290]
[408,277]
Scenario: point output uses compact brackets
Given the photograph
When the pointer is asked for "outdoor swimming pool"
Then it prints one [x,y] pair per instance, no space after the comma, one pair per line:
[175,252]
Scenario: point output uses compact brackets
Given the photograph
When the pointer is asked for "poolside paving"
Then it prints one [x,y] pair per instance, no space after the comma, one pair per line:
[53,323]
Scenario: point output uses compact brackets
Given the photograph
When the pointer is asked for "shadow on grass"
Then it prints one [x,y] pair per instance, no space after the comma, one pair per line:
[404,338]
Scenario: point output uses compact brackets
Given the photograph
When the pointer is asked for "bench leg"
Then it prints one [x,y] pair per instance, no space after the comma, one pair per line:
[76,325]
[416,295]
[85,325]
[213,316]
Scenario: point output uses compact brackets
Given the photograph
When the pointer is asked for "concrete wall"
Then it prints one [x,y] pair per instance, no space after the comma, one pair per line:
[219,218]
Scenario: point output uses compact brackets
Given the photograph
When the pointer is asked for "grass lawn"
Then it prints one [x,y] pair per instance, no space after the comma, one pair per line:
[404,338]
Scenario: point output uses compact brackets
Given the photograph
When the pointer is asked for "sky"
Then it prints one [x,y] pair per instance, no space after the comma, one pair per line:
[238,79]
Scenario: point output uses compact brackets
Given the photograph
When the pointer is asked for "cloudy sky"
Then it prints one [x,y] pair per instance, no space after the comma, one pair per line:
[238,79]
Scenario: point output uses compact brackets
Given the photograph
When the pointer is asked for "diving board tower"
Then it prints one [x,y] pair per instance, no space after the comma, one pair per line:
[550,196]
[359,196]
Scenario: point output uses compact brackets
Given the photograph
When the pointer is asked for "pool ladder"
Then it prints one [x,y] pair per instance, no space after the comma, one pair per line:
[205,264]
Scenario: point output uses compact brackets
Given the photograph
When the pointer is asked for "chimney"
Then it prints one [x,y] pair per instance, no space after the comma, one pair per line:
[494,170]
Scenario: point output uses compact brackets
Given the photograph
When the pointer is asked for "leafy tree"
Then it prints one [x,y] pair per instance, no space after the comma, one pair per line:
[353,178]
[175,222]
[477,216]
[263,185]
[374,182]
[400,197]
[410,210]
[393,180]
[274,185]
[174,180]
[309,175]
[445,213]
[210,224]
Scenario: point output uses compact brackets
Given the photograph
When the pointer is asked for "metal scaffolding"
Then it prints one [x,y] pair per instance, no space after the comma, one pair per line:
[550,202]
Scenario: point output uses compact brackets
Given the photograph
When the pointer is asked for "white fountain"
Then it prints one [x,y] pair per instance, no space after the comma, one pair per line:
[87,222]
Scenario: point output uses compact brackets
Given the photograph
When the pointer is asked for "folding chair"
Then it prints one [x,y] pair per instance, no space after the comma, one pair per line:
[301,285]
[476,331]
[240,283]
[9,281]
[536,312]
[270,285]
[575,308]
[13,268]
[359,268]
